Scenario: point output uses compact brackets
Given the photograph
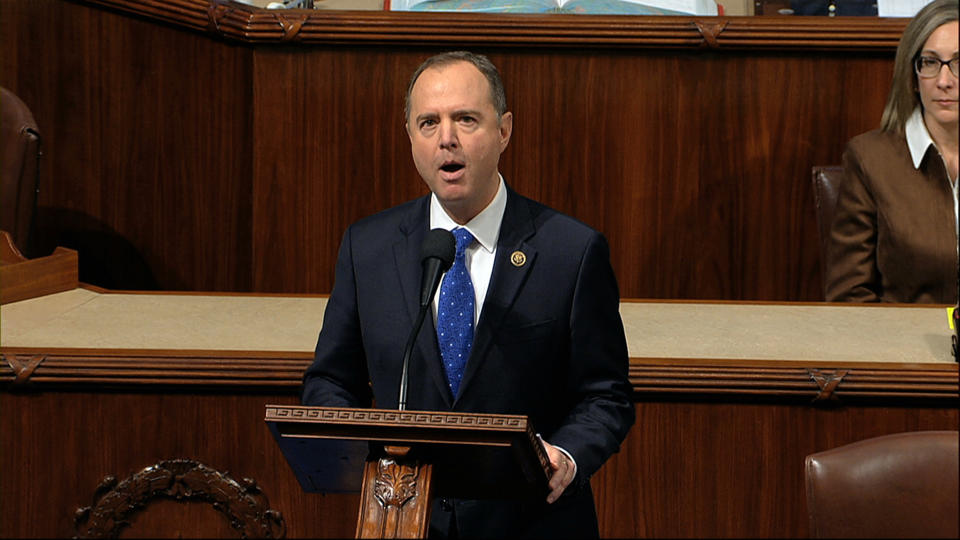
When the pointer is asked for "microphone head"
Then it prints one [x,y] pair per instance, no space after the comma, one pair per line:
[439,244]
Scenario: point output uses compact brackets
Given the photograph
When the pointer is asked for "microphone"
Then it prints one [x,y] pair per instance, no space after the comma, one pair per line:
[436,256]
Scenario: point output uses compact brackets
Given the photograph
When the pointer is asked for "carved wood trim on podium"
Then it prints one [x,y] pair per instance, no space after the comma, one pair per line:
[241,502]
[398,482]
[400,428]
[396,496]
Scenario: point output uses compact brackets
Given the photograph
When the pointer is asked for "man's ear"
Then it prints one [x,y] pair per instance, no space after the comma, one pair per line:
[506,129]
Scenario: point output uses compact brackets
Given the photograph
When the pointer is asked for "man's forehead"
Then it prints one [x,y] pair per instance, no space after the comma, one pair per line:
[457,75]
[461,66]
[451,90]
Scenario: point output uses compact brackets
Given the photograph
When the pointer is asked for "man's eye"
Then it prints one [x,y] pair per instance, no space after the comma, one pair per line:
[427,123]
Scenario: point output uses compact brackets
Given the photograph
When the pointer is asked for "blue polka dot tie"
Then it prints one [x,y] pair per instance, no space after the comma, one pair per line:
[455,314]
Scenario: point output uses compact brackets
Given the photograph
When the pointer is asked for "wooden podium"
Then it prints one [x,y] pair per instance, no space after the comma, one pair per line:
[406,457]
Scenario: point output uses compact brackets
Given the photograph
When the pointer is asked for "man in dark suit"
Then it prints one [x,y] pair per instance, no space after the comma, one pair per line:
[536,331]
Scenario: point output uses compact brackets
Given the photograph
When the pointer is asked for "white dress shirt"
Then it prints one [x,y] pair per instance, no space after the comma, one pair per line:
[479,256]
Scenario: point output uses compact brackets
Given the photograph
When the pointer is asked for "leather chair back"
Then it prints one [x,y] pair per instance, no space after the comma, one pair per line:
[19,169]
[826,187]
[895,486]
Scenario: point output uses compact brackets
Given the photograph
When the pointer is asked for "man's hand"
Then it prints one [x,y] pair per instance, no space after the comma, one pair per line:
[563,471]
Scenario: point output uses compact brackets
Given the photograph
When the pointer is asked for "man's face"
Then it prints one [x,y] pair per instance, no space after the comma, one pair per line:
[455,137]
[939,94]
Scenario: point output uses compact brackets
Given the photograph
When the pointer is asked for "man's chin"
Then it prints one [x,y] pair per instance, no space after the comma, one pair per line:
[452,193]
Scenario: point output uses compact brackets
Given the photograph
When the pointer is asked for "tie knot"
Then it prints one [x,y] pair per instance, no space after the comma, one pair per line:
[464,239]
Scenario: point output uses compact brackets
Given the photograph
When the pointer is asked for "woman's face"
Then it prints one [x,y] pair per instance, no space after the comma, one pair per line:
[938,95]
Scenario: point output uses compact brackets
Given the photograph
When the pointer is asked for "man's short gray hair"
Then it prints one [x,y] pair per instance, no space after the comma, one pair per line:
[497,95]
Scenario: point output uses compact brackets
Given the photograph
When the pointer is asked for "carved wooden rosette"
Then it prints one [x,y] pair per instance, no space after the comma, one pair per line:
[396,496]
[241,503]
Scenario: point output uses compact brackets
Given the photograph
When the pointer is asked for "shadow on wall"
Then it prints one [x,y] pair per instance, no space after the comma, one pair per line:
[106,259]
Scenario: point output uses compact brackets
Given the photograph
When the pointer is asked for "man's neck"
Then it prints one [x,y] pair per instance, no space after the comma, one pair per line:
[463,214]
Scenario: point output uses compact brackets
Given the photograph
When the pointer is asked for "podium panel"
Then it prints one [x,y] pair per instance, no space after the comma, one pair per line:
[456,444]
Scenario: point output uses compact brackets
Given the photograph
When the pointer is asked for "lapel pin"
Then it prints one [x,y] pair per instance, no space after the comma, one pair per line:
[518,258]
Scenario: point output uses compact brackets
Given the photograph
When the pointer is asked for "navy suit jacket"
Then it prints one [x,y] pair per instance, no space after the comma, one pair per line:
[549,343]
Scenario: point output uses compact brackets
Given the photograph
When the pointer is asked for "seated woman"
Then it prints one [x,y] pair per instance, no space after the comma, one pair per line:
[895,229]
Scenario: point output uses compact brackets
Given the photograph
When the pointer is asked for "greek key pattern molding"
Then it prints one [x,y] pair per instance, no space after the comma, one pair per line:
[399,418]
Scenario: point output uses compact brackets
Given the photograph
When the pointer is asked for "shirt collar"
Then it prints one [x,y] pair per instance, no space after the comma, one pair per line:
[485,226]
[918,138]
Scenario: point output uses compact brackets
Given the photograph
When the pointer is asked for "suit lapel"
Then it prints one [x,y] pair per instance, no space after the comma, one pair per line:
[406,253]
[506,280]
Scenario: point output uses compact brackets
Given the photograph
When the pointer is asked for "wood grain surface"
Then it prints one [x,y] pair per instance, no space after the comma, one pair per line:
[180,156]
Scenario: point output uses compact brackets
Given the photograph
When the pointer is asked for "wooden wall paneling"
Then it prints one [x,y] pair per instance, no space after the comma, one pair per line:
[146,145]
[715,469]
[225,153]
[695,165]
[59,446]
[717,449]
[697,177]
[687,469]
[330,149]
[776,113]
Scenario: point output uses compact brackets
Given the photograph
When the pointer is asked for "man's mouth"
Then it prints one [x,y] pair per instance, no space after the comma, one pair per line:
[451,167]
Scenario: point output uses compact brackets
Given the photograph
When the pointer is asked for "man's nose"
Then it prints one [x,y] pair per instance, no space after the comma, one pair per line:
[448,135]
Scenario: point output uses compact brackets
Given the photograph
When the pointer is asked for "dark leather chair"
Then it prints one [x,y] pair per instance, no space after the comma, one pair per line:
[19,169]
[826,187]
[895,486]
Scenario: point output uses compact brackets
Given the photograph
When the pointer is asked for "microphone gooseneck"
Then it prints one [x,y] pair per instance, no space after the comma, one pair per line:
[436,255]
